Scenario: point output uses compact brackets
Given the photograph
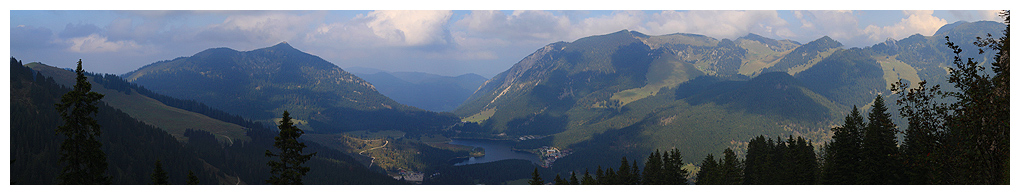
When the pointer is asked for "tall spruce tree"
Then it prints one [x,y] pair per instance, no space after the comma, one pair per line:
[611,178]
[587,179]
[845,152]
[673,166]
[635,174]
[288,170]
[573,179]
[624,174]
[159,176]
[653,174]
[879,150]
[600,177]
[731,168]
[709,173]
[535,178]
[84,160]
[758,162]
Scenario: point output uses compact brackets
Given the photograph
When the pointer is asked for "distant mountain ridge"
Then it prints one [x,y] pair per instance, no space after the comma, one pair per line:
[262,83]
[422,90]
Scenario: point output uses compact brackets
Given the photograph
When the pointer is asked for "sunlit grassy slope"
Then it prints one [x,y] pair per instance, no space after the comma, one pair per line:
[150,111]
[894,70]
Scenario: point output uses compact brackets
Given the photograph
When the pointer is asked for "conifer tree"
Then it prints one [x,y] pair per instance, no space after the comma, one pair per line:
[84,160]
[159,176]
[535,178]
[709,173]
[879,147]
[635,174]
[805,164]
[757,162]
[845,150]
[192,179]
[288,170]
[623,174]
[573,179]
[587,179]
[653,169]
[600,177]
[673,168]
[611,178]
[731,168]
[560,181]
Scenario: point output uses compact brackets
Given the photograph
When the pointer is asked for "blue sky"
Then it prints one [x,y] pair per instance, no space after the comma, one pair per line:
[439,42]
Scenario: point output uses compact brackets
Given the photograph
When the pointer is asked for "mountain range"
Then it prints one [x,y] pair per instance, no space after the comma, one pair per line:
[605,96]
[422,90]
[628,94]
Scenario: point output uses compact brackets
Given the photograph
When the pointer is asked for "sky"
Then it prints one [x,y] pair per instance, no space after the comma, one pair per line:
[439,42]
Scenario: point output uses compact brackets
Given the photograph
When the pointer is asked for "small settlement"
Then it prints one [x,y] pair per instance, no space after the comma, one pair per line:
[549,155]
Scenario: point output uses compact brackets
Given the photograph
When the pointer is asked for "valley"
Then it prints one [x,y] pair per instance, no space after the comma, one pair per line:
[568,107]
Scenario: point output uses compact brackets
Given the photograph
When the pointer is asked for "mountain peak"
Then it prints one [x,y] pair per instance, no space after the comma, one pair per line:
[282,45]
[826,42]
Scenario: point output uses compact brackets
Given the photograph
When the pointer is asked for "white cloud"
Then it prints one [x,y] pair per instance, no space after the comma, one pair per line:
[413,28]
[267,28]
[98,44]
[977,15]
[915,22]
[630,20]
[840,25]
[527,25]
[719,24]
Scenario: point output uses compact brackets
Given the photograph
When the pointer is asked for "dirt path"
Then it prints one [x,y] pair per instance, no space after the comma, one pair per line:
[373,158]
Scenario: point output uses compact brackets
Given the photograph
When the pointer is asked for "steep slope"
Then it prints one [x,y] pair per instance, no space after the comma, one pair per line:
[762,52]
[148,110]
[131,147]
[805,56]
[850,77]
[426,91]
[262,83]
[775,93]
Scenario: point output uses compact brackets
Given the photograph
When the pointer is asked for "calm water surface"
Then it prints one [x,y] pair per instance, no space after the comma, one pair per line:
[495,150]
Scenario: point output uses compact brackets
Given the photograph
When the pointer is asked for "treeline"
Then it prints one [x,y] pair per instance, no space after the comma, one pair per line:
[661,168]
[767,162]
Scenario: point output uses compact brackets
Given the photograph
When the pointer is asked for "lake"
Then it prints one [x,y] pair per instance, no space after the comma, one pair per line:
[495,150]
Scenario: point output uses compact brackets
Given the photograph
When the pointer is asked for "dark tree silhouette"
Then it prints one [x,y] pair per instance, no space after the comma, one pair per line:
[535,178]
[84,161]
[288,170]
[159,176]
